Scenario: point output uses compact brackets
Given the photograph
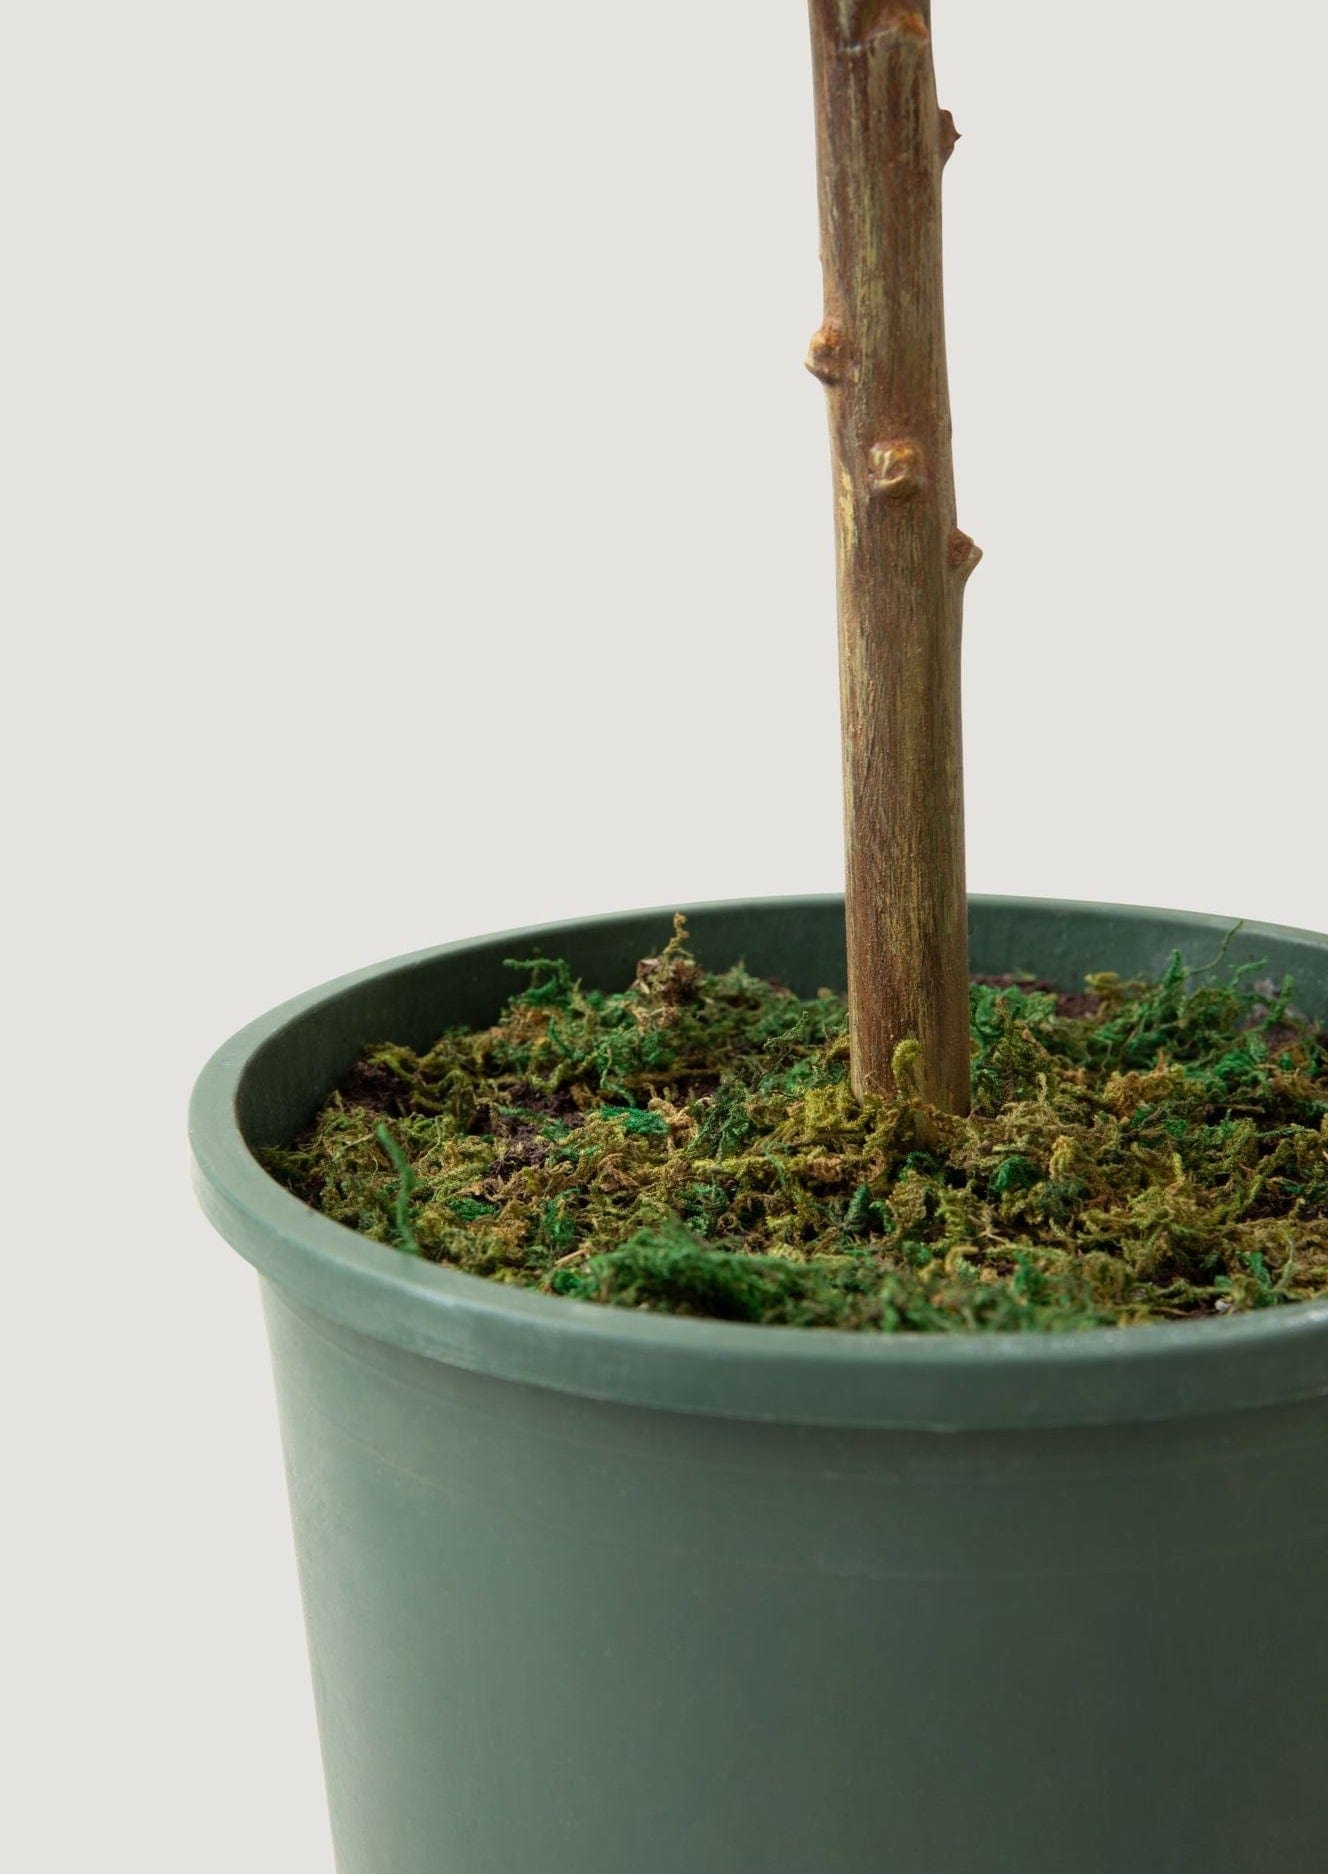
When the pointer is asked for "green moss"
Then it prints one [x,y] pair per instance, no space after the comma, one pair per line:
[1138,1151]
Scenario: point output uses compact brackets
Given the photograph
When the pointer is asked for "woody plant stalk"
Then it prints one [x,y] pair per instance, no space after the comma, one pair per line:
[902,559]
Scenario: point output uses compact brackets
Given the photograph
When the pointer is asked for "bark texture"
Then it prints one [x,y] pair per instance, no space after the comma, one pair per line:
[903,562]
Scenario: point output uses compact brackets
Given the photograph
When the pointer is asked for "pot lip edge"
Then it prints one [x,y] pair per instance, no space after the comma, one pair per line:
[826,1376]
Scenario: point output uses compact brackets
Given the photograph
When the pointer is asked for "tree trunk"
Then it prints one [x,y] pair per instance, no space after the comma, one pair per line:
[902,561]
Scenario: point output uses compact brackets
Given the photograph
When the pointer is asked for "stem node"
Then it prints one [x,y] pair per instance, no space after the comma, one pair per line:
[895,469]
[825,354]
[903,25]
[963,553]
[949,136]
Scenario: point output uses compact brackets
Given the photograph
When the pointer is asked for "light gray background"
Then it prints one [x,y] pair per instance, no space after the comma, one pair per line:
[418,523]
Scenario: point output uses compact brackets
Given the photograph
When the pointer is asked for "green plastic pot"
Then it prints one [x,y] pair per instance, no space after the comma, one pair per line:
[595,1592]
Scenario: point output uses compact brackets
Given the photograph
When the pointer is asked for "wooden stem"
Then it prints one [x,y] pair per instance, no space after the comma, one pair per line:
[902,560]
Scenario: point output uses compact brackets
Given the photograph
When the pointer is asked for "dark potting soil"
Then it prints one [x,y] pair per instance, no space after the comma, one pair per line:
[691,1144]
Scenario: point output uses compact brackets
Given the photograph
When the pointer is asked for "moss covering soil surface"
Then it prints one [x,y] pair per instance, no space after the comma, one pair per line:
[1136,1151]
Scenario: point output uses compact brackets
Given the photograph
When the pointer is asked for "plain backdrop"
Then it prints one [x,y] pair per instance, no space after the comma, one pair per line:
[417,522]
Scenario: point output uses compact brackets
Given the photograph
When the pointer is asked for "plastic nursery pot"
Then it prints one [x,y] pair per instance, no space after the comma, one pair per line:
[597,1592]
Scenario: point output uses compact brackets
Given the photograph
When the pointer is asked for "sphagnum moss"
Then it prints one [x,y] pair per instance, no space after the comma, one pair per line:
[1135,1152]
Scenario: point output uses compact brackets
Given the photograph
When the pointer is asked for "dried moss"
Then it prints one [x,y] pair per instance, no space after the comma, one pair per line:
[1136,1151]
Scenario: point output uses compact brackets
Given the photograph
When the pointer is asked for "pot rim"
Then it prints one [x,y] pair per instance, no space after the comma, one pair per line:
[809,1376]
